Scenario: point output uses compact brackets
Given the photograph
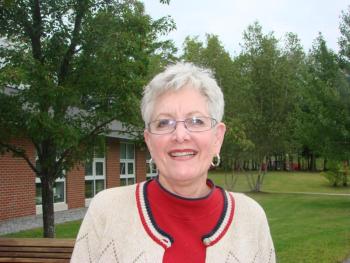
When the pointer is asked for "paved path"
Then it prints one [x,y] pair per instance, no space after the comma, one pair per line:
[309,193]
[29,222]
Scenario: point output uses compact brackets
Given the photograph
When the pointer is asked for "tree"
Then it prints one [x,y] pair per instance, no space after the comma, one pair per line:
[324,108]
[344,40]
[269,77]
[213,55]
[70,68]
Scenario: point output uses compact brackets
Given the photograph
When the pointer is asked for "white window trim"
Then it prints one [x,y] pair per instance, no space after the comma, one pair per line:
[153,170]
[59,206]
[127,161]
[95,177]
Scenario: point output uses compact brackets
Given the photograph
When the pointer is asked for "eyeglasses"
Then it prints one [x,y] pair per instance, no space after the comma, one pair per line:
[193,124]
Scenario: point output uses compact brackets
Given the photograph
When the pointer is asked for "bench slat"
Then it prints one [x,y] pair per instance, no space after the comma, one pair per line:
[35,242]
[34,255]
[37,249]
[34,260]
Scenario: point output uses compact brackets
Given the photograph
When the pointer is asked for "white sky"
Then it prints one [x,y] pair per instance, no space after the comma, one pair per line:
[229,18]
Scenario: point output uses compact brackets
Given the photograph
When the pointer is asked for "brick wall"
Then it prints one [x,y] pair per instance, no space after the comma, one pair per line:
[75,187]
[140,163]
[112,163]
[17,184]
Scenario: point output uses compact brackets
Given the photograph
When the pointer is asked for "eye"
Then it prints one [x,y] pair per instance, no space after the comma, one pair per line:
[195,121]
[163,123]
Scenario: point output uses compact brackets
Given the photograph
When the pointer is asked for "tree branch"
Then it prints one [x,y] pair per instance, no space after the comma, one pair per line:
[34,30]
[21,153]
[64,69]
[37,31]
[94,132]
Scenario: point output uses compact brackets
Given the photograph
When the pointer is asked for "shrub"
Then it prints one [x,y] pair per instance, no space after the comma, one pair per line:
[337,173]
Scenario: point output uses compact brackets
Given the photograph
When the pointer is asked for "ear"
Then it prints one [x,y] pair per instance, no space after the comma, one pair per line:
[219,137]
[146,136]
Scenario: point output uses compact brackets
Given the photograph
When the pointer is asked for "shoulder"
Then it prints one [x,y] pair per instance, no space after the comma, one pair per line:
[116,192]
[113,197]
[247,206]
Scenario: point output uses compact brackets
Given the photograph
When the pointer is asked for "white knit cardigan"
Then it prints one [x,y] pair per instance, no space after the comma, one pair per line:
[118,228]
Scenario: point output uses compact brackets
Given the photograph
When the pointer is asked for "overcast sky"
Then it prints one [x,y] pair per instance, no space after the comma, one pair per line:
[229,18]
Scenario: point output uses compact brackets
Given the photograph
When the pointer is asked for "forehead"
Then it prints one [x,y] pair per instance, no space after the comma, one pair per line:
[180,103]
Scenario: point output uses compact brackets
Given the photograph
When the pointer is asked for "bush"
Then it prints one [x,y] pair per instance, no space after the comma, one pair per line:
[337,173]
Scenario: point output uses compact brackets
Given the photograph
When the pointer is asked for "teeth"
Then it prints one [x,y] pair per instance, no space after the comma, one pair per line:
[180,154]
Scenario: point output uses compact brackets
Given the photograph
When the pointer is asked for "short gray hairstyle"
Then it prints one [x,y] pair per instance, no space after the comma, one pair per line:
[177,76]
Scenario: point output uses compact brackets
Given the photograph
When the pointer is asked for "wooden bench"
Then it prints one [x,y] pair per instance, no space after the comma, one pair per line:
[35,250]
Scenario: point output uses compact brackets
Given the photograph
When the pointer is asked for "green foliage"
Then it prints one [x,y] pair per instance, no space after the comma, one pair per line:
[261,86]
[344,40]
[268,91]
[336,173]
[68,70]
[322,120]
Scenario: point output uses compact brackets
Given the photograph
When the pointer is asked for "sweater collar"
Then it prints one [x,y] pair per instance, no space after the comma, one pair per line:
[181,207]
[165,240]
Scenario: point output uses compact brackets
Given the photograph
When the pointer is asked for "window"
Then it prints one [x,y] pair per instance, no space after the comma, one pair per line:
[59,189]
[127,163]
[151,168]
[95,176]
[59,193]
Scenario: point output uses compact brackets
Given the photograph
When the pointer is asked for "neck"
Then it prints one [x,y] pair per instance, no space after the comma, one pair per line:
[187,189]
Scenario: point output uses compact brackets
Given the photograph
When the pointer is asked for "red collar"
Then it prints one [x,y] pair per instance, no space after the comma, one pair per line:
[165,240]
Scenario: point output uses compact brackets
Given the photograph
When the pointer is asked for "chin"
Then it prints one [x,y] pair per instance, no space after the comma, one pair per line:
[187,174]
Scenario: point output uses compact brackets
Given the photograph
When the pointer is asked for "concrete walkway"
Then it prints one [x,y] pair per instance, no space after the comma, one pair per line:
[30,222]
[309,193]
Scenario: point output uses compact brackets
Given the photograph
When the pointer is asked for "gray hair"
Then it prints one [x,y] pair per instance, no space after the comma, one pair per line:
[177,76]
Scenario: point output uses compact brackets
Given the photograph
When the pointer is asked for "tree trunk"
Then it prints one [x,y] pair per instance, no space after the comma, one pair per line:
[325,164]
[313,163]
[48,206]
[261,175]
[346,172]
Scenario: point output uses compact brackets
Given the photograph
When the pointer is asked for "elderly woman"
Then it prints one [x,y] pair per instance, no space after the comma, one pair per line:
[180,216]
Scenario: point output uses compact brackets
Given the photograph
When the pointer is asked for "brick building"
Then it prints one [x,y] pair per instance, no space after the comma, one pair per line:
[123,163]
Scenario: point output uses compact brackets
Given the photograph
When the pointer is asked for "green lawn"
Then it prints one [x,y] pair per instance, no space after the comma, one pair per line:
[281,182]
[65,230]
[305,228]
[308,228]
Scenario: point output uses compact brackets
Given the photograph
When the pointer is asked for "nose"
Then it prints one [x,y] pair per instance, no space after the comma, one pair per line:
[181,133]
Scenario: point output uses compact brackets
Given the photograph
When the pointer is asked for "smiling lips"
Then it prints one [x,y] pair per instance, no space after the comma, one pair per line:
[182,153]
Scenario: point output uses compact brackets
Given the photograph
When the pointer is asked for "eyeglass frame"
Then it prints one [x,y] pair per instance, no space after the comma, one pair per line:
[213,123]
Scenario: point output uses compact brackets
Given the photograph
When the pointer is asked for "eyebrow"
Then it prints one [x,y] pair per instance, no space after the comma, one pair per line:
[188,115]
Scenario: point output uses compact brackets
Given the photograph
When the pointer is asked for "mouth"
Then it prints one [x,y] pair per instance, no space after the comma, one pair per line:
[183,154]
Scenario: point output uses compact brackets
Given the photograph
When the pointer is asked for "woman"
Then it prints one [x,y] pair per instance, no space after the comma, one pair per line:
[181,216]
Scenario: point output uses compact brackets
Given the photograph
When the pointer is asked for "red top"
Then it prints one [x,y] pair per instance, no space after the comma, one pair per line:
[185,220]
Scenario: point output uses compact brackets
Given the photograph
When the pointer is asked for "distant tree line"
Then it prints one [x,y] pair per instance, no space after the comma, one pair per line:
[285,108]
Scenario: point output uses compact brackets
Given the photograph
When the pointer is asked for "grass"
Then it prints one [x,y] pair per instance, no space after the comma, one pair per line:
[65,230]
[308,228]
[305,228]
[281,182]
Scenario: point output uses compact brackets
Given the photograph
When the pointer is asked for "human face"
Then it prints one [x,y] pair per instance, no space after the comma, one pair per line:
[183,156]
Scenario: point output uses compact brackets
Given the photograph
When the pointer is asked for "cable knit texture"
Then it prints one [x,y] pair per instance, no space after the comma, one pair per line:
[112,231]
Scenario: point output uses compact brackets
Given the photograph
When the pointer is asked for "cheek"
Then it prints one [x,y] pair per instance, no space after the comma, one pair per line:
[208,146]
[157,147]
